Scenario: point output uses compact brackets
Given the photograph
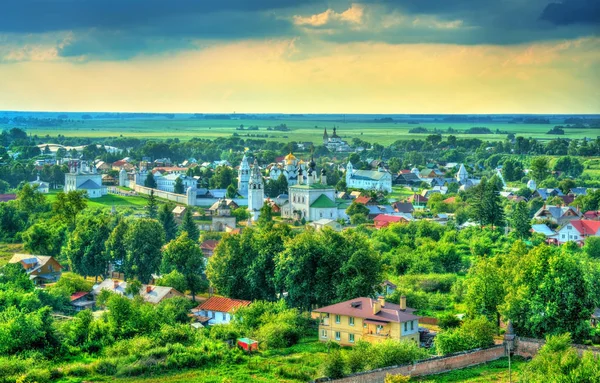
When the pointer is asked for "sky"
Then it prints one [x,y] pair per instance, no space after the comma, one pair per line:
[301,56]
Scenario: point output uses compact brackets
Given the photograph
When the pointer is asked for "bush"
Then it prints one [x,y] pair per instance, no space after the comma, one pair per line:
[448,321]
[355,358]
[277,335]
[392,353]
[474,333]
[224,332]
[396,379]
[36,376]
[106,367]
[333,366]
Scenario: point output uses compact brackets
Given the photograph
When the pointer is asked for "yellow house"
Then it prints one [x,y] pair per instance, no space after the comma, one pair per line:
[41,268]
[372,320]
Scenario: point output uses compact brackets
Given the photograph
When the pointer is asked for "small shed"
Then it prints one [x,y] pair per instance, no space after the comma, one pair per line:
[248,344]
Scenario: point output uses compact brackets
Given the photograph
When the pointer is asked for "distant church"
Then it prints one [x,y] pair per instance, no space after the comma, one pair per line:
[379,179]
[81,176]
[290,167]
[334,142]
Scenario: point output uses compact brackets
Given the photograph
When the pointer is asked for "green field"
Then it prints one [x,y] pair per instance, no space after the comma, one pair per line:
[301,130]
[108,201]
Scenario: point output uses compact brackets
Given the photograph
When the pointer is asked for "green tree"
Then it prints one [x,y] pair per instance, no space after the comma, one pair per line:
[592,247]
[520,220]
[188,225]
[222,177]
[241,214]
[566,185]
[184,255]
[357,209]
[178,187]
[116,249]
[493,203]
[167,220]
[570,166]
[151,206]
[44,238]
[173,279]
[30,200]
[143,242]
[474,333]
[231,191]
[478,203]
[85,249]
[133,287]
[485,290]
[150,182]
[265,217]
[548,294]
[539,169]
[68,205]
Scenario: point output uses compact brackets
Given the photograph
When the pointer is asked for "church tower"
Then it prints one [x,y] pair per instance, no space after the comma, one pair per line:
[243,177]
[256,192]
[325,137]
[349,171]
[123,178]
[462,176]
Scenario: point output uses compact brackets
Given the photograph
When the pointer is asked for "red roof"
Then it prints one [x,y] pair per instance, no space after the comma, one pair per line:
[119,163]
[592,214]
[76,296]
[7,197]
[404,171]
[450,200]
[363,200]
[383,220]
[222,304]
[209,244]
[586,227]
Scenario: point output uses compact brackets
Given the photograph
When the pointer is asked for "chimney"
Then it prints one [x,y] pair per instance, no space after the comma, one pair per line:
[403,302]
[376,307]
[148,289]
[115,284]
[381,300]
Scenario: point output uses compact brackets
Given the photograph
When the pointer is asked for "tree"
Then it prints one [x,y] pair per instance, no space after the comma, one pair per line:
[539,169]
[493,203]
[173,279]
[30,200]
[150,182]
[178,188]
[592,247]
[478,203]
[241,214]
[116,249]
[69,205]
[189,226]
[571,166]
[143,241]
[357,209]
[151,206]
[566,185]
[512,170]
[485,290]
[184,255]
[133,287]
[548,294]
[231,191]
[474,333]
[45,238]
[265,217]
[167,220]
[222,177]
[520,220]
[85,249]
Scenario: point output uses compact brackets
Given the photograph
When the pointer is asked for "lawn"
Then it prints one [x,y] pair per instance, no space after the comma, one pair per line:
[108,201]
[399,193]
[496,371]
[7,250]
[309,128]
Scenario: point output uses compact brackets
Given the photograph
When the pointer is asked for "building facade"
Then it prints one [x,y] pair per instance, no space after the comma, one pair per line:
[379,179]
[243,177]
[290,168]
[256,192]
[83,177]
[334,142]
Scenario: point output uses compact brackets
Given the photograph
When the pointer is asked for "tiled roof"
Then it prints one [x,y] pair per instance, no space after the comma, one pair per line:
[7,197]
[76,296]
[387,218]
[89,184]
[222,304]
[363,200]
[209,244]
[586,227]
[363,308]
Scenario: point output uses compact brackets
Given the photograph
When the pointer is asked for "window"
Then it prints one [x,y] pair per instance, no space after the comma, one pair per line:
[351,338]
[224,316]
[338,335]
[405,326]
[351,321]
[569,227]
[337,319]
[323,333]
[563,236]
[412,325]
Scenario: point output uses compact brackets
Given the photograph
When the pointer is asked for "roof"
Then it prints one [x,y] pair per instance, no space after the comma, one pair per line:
[363,308]
[374,175]
[363,200]
[209,244]
[450,200]
[417,198]
[89,184]
[543,229]
[7,197]
[222,304]
[323,202]
[403,207]
[389,283]
[586,227]
[77,295]
[312,186]
[179,209]
[388,218]
[324,221]
[155,295]
[592,214]
[37,260]
[556,211]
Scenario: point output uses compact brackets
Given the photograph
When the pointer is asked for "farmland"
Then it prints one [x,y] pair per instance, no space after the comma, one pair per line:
[302,129]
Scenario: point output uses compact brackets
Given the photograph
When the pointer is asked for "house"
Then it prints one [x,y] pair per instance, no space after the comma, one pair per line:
[449,200]
[367,319]
[40,268]
[578,191]
[379,179]
[82,177]
[365,200]
[418,200]
[7,197]
[355,194]
[179,211]
[219,309]
[81,301]
[548,193]
[388,287]
[149,293]
[221,205]
[592,214]
[403,207]
[208,247]
[544,230]
[407,179]
[578,230]
[557,214]
[384,220]
[40,186]
[326,222]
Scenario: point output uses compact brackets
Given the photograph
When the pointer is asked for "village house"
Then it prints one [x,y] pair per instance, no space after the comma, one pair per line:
[594,215]
[40,268]
[208,247]
[578,231]
[367,319]
[40,186]
[557,214]
[218,310]
[418,200]
[7,197]
[149,293]
[384,220]
[326,222]
[178,211]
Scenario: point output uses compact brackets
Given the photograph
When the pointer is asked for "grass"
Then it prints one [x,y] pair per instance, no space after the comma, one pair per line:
[301,129]
[7,250]
[496,371]
[108,201]
[400,192]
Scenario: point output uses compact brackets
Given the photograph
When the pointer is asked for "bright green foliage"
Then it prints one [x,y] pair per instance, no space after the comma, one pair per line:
[69,205]
[357,209]
[231,191]
[485,290]
[85,249]
[189,226]
[44,238]
[570,166]
[30,200]
[241,214]
[520,221]
[265,217]
[133,287]
[539,169]
[12,220]
[334,365]
[167,220]
[143,241]
[222,177]
[152,205]
[115,244]
[512,170]
[557,361]
[184,255]
[449,321]
[592,247]
[173,279]
[547,293]
[70,283]
[474,333]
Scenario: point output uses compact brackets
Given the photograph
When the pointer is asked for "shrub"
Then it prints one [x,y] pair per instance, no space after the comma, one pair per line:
[396,379]
[224,332]
[355,358]
[474,333]
[36,376]
[333,366]
[295,373]
[277,335]
[448,321]
[391,353]
[106,367]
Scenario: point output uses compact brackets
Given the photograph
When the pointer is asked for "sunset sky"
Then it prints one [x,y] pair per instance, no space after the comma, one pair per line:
[301,56]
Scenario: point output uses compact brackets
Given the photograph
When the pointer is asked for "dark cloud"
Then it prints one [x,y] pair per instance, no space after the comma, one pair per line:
[573,12]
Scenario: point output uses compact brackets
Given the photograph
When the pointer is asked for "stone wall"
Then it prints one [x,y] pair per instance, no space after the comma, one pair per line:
[429,366]
[182,198]
[528,347]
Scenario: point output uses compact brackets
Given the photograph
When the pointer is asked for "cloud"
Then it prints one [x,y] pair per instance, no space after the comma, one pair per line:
[573,12]
[353,15]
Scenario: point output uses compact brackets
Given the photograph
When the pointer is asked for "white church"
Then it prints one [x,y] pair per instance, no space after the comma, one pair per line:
[379,179]
[82,176]
[256,192]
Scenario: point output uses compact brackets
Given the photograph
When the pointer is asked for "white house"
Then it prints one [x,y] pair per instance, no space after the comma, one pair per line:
[219,310]
[379,179]
[41,186]
[578,231]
